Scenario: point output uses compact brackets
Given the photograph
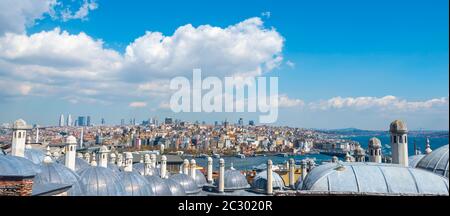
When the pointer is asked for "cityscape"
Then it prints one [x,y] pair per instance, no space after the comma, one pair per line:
[276,99]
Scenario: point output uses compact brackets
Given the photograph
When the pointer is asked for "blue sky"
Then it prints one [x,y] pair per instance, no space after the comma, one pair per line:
[333,54]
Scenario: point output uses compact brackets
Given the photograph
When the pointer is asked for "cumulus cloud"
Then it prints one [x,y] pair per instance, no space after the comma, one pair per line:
[137,104]
[16,15]
[246,48]
[81,13]
[388,102]
[285,101]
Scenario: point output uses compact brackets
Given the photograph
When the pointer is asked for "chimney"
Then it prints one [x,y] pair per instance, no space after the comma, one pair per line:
[291,173]
[193,167]
[71,145]
[19,138]
[153,159]
[210,170]
[163,167]
[119,160]
[221,175]
[128,162]
[186,166]
[304,170]
[147,164]
[103,156]
[269,185]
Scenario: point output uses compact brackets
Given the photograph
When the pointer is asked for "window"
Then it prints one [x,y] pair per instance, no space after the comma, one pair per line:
[395,139]
[20,135]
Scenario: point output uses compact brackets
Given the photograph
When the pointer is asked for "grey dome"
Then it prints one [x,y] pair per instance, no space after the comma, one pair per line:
[17,166]
[374,178]
[34,155]
[200,178]
[59,174]
[139,167]
[234,180]
[189,185]
[114,168]
[260,181]
[135,184]
[374,143]
[101,181]
[414,160]
[158,186]
[436,161]
[79,163]
[175,188]
[398,126]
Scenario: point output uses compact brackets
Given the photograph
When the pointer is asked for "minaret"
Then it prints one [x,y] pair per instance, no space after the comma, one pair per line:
[147,164]
[399,142]
[269,185]
[193,167]
[128,162]
[210,170]
[186,166]
[37,135]
[71,145]
[103,156]
[221,175]
[291,173]
[374,149]
[428,147]
[163,167]
[18,138]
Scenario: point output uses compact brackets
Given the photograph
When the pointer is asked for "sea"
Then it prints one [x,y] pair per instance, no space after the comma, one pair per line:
[250,163]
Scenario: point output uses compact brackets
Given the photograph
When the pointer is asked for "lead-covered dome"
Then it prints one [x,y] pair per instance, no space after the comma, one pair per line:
[436,161]
[79,163]
[135,184]
[200,178]
[34,155]
[158,186]
[260,181]
[398,126]
[59,174]
[235,180]
[101,181]
[374,178]
[175,188]
[188,184]
[139,167]
[17,166]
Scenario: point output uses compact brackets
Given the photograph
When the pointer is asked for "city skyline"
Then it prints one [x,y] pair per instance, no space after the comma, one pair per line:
[340,65]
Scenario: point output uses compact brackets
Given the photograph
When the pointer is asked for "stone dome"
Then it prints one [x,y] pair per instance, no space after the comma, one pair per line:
[135,184]
[398,126]
[378,178]
[101,181]
[436,161]
[175,188]
[235,180]
[374,143]
[188,184]
[17,166]
[260,181]
[158,186]
[59,174]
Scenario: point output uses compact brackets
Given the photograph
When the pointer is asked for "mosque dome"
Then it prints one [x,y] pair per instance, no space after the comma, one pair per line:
[17,166]
[101,181]
[135,184]
[158,186]
[377,178]
[436,161]
[34,155]
[200,178]
[114,168]
[79,163]
[260,181]
[175,188]
[374,143]
[189,185]
[398,126]
[139,167]
[59,174]
[414,160]
[234,180]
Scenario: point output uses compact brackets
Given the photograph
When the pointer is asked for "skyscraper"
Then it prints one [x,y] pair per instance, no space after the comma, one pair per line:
[103,121]
[88,121]
[61,120]
[69,120]
[81,121]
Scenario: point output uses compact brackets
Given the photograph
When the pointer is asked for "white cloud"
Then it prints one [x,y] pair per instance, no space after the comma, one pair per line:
[81,13]
[16,15]
[388,102]
[137,104]
[285,101]
[266,14]
[246,48]
[290,64]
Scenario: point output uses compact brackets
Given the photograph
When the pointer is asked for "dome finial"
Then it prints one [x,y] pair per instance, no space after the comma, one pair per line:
[48,156]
